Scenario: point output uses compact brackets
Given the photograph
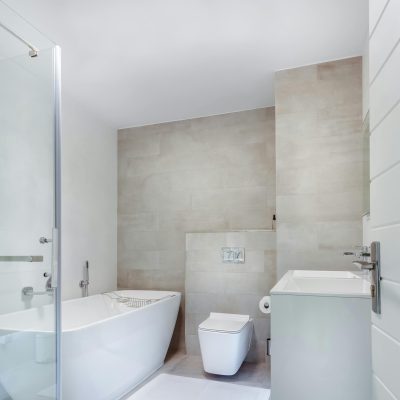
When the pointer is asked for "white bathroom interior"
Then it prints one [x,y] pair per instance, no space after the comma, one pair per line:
[199,200]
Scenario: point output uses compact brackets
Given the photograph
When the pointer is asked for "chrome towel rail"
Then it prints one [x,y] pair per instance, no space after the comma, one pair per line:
[21,258]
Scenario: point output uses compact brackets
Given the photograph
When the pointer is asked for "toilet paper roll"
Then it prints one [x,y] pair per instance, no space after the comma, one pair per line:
[265,305]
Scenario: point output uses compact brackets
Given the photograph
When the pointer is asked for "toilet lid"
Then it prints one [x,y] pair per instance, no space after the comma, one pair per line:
[226,323]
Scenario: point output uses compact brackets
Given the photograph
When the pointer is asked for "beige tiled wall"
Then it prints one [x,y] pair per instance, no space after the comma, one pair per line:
[319,161]
[205,174]
[212,286]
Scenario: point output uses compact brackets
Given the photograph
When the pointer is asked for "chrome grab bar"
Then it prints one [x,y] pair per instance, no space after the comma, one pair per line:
[21,258]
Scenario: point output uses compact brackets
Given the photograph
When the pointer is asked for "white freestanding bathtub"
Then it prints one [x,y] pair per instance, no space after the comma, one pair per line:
[108,348]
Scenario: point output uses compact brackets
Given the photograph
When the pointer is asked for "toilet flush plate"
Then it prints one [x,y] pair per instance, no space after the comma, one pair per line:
[233,255]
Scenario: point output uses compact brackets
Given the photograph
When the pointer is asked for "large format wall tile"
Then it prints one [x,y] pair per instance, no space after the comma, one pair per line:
[207,174]
[320,164]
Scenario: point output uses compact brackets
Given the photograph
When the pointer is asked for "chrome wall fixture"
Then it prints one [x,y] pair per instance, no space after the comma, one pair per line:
[84,283]
[30,292]
[369,258]
[33,51]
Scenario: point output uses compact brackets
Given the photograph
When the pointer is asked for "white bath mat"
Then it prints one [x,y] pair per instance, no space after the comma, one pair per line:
[173,387]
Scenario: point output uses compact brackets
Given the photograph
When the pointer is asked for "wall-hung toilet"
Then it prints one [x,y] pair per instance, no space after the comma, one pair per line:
[224,342]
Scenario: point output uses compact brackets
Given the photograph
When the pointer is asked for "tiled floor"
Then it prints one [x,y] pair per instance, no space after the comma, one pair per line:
[173,387]
[179,364]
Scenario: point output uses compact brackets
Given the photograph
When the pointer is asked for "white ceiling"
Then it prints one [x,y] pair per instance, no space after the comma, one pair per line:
[137,62]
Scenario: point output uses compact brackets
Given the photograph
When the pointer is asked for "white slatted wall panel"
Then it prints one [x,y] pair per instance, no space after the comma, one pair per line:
[384,69]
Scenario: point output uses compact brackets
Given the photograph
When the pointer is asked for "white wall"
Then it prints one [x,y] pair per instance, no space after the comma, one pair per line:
[89,172]
[89,186]
[384,67]
[89,201]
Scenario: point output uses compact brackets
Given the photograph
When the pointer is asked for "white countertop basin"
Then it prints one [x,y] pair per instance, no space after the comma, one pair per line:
[323,283]
[325,274]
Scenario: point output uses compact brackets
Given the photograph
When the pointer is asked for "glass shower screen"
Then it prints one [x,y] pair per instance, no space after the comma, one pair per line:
[29,212]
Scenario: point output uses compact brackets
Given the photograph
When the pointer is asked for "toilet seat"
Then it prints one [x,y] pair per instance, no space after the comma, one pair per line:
[224,323]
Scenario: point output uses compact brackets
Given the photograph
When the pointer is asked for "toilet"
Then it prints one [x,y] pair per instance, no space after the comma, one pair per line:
[224,342]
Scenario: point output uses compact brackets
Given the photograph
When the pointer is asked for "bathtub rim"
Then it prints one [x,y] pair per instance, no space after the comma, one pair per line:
[168,294]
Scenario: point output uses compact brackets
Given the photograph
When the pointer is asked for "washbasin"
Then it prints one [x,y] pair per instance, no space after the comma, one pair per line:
[323,283]
[325,274]
[321,333]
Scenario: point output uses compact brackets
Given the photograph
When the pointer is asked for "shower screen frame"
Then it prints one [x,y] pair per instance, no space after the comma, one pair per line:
[57,218]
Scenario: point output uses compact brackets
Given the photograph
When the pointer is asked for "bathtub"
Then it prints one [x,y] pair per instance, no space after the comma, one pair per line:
[108,348]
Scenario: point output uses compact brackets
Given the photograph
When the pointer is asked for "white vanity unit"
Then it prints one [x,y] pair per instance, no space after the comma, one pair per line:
[321,342]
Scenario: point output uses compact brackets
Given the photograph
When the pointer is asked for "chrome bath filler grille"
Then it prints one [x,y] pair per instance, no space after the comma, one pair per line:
[133,302]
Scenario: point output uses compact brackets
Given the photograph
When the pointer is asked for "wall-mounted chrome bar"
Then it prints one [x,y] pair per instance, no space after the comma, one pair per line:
[376,277]
[33,51]
[21,258]
[369,258]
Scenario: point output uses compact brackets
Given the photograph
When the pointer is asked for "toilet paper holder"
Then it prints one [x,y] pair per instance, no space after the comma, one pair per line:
[265,305]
